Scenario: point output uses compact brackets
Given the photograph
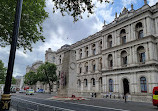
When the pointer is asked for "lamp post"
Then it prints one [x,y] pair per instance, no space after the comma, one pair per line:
[5,100]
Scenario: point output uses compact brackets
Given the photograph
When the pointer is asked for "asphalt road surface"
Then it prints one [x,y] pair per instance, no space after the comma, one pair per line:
[84,105]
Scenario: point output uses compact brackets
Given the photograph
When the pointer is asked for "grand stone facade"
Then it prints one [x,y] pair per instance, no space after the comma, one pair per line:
[120,59]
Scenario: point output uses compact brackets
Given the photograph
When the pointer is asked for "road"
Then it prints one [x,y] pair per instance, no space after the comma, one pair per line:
[84,105]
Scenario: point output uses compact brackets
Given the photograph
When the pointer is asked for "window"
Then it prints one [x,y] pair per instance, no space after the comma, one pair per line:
[94,67]
[86,68]
[139,30]
[80,55]
[79,83]
[80,69]
[100,63]
[60,61]
[110,85]
[141,54]
[59,73]
[109,40]
[143,84]
[86,53]
[85,82]
[123,36]
[100,83]
[94,51]
[110,61]
[93,82]
[124,58]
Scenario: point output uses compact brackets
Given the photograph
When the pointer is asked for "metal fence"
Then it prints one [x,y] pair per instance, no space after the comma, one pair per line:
[33,106]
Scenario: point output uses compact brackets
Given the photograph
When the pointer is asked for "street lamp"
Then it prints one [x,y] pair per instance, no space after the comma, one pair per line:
[5,100]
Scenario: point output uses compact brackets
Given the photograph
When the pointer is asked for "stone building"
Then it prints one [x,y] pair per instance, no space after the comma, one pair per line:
[120,59]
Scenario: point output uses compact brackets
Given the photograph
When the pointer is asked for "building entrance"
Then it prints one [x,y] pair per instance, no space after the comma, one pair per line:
[125,86]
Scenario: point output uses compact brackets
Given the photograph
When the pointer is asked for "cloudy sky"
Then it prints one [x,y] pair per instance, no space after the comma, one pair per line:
[60,30]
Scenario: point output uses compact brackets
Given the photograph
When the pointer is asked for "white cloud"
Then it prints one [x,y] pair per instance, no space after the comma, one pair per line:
[152,2]
[21,53]
[128,2]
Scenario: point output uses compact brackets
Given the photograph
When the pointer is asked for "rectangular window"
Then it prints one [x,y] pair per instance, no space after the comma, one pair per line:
[111,63]
[125,60]
[93,67]
[80,55]
[86,68]
[142,57]
[80,70]
[110,44]
[86,53]
[124,40]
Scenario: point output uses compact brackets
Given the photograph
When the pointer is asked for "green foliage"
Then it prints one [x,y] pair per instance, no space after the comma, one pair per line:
[30,78]
[13,80]
[33,15]
[46,73]
[75,8]
[2,72]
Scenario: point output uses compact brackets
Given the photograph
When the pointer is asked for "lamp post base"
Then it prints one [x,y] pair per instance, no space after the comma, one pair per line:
[5,102]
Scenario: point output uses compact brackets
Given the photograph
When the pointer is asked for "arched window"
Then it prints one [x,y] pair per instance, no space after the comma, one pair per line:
[110,61]
[124,58]
[93,82]
[139,30]
[143,84]
[94,65]
[123,36]
[85,82]
[110,85]
[109,41]
[141,54]
[79,83]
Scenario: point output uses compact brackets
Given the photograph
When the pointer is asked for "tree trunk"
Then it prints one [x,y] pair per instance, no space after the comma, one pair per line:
[48,82]
[49,88]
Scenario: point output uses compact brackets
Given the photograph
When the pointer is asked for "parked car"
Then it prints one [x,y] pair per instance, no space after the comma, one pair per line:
[40,91]
[22,91]
[29,92]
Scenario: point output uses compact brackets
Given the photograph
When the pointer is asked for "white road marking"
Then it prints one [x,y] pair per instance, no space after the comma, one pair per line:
[45,105]
[84,105]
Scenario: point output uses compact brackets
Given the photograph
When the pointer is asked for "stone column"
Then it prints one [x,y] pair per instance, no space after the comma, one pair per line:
[77,54]
[128,38]
[97,48]
[90,49]
[135,58]
[96,85]
[113,39]
[77,68]
[130,57]
[104,84]
[132,32]
[89,66]
[82,86]
[106,61]
[103,43]
[119,59]
[156,26]
[83,52]
[144,27]
[84,68]
[151,51]
[147,56]
[148,20]
[97,65]
[89,85]
[103,62]
[114,60]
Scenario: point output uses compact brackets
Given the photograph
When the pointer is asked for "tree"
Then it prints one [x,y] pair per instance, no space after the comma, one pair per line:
[30,78]
[2,72]
[46,73]
[33,15]
[13,80]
